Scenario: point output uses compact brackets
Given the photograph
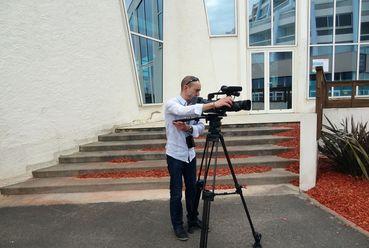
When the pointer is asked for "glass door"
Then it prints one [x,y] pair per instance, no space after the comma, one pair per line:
[276,67]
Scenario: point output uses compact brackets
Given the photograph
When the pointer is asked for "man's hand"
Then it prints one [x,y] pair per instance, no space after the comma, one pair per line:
[181,126]
[226,101]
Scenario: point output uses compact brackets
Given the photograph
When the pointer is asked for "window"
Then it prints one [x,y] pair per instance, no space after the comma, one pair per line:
[221,16]
[337,44]
[257,68]
[271,22]
[280,78]
[146,31]
[364,20]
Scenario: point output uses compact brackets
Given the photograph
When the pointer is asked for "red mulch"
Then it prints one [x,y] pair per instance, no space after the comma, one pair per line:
[295,182]
[238,156]
[295,142]
[345,194]
[157,173]
[127,174]
[294,167]
[123,160]
[240,170]
[154,149]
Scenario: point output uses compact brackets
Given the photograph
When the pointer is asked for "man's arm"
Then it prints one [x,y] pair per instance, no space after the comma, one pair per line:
[175,108]
[226,101]
[197,109]
[197,129]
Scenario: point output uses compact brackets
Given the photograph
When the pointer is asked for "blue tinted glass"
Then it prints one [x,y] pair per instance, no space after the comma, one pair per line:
[345,62]
[365,20]
[257,81]
[364,69]
[259,22]
[344,68]
[149,18]
[160,5]
[144,57]
[364,62]
[347,21]
[145,17]
[149,63]
[320,56]
[141,18]
[160,26]
[284,22]
[321,21]
[221,16]
[280,86]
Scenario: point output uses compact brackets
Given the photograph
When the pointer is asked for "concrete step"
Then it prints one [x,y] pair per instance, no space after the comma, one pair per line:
[160,143]
[72,184]
[84,157]
[149,135]
[70,170]
[224,126]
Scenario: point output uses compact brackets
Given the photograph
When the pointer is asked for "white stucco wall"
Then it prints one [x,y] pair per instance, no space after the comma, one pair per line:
[338,115]
[66,76]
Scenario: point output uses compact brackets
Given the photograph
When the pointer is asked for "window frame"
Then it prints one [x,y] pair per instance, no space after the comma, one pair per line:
[266,54]
[271,29]
[133,58]
[235,22]
[359,43]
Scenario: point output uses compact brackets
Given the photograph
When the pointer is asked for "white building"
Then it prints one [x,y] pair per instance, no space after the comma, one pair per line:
[71,70]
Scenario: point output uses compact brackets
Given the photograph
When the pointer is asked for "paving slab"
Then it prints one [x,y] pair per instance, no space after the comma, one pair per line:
[283,220]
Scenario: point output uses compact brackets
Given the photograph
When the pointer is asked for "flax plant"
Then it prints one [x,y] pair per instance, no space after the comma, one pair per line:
[347,147]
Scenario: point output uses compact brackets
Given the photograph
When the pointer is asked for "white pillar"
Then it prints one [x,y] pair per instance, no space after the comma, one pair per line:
[308,151]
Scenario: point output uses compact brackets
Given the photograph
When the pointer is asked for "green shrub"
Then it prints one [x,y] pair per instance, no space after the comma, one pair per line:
[347,147]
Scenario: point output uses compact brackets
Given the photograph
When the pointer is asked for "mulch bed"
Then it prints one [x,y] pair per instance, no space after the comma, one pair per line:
[123,160]
[294,167]
[157,173]
[240,170]
[237,156]
[154,149]
[345,194]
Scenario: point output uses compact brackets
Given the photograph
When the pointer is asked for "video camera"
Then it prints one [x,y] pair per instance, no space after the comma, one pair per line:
[228,91]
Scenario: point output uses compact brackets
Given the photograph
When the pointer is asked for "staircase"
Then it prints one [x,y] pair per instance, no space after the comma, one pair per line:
[144,147]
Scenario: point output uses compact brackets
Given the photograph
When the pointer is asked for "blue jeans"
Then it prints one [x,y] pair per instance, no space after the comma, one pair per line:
[177,169]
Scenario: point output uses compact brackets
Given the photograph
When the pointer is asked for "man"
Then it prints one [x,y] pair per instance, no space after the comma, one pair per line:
[180,153]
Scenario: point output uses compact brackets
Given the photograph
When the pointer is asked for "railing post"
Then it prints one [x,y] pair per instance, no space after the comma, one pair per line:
[320,98]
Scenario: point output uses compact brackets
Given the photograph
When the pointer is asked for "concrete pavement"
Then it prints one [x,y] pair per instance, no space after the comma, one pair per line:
[285,220]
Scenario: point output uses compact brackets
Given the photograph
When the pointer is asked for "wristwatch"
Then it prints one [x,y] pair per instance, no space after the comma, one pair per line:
[190,130]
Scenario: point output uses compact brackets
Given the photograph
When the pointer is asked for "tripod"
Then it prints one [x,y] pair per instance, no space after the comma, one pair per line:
[213,138]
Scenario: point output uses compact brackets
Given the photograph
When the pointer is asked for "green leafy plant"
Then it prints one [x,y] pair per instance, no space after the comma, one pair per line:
[347,147]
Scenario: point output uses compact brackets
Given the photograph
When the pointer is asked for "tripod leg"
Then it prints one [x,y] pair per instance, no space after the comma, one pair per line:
[200,184]
[208,197]
[257,236]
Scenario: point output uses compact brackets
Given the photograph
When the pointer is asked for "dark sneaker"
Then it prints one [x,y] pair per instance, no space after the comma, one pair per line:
[181,234]
[194,225]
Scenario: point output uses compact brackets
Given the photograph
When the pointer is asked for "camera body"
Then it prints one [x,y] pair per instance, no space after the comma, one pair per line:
[228,91]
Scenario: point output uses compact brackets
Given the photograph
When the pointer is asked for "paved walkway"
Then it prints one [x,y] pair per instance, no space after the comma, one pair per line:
[285,220]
